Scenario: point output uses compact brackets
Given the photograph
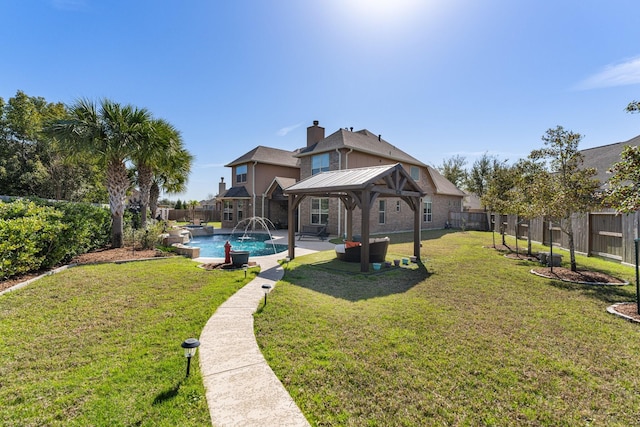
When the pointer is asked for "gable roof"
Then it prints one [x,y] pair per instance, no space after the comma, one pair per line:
[279,181]
[603,157]
[362,141]
[268,155]
[443,185]
[355,179]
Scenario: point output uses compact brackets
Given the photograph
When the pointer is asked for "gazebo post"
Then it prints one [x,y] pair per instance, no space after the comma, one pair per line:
[416,228]
[364,249]
[292,226]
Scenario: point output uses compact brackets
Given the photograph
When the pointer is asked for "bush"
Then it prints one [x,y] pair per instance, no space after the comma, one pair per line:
[38,234]
[27,236]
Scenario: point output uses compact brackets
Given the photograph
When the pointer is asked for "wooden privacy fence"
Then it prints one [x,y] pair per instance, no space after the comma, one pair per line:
[207,215]
[469,220]
[602,233]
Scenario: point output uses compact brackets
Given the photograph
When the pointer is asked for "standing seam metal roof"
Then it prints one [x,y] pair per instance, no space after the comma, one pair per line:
[347,179]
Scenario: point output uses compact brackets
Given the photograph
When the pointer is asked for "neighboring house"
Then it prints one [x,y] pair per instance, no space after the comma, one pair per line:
[601,232]
[261,176]
[253,178]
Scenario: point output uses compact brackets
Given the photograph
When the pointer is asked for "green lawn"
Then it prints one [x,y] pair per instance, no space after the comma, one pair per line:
[476,340]
[100,345]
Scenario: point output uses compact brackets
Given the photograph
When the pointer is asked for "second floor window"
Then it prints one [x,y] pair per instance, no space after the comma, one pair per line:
[241,173]
[415,173]
[319,163]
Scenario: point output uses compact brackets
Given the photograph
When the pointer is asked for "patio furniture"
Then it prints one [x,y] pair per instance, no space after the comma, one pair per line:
[319,231]
[350,251]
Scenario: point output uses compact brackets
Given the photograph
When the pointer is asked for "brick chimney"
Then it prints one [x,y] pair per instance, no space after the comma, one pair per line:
[314,133]
[222,187]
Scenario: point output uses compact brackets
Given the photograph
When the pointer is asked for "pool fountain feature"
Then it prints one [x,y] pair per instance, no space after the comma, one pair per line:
[251,223]
[252,235]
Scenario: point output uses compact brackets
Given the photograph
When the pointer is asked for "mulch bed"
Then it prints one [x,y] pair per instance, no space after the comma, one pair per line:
[580,276]
[629,310]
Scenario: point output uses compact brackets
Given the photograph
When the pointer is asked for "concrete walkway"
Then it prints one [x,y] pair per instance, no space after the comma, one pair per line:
[241,388]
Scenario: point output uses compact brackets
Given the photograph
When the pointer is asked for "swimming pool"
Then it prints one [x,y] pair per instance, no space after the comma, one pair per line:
[213,246]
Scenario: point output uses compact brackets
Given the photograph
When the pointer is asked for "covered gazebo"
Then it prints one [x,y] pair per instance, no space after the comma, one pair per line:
[359,188]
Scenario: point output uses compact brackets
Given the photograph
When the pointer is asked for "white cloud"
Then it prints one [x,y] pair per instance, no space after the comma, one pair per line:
[285,130]
[622,74]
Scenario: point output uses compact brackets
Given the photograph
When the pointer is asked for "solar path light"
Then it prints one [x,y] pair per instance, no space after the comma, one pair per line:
[245,267]
[266,289]
[190,346]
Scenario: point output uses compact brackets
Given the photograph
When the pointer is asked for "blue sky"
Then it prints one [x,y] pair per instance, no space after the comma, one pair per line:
[434,78]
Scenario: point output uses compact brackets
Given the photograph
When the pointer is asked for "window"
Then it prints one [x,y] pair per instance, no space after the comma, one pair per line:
[426,210]
[382,204]
[319,163]
[415,173]
[398,206]
[241,173]
[228,211]
[240,209]
[319,211]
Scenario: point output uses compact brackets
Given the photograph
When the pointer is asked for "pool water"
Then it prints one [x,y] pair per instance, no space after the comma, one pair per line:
[213,246]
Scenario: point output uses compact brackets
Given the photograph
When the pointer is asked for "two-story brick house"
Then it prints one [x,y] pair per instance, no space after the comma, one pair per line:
[261,176]
[253,192]
[346,149]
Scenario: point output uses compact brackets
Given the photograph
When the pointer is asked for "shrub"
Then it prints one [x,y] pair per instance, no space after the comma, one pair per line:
[38,234]
[28,234]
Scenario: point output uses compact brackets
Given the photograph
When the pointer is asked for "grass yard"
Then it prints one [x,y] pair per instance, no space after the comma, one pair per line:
[476,340]
[100,345]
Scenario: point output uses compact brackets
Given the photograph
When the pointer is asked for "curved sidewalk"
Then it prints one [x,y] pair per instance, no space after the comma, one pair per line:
[241,388]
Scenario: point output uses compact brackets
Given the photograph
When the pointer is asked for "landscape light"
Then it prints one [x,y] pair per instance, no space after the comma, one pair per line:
[266,289]
[190,346]
[245,267]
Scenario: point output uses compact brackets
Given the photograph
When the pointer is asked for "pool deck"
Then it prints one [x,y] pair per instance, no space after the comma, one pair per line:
[241,389]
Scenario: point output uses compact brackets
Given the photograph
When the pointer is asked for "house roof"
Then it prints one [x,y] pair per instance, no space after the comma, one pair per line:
[603,157]
[344,180]
[280,181]
[443,185]
[362,141]
[239,192]
[268,155]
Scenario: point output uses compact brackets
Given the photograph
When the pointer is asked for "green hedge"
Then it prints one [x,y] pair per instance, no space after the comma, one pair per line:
[38,234]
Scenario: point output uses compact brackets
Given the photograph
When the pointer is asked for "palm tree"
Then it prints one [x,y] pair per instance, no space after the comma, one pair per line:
[161,142]
[111,133]
[171,176]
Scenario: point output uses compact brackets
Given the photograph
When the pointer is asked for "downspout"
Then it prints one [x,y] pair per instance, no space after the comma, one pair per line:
[346,166]
[253,188]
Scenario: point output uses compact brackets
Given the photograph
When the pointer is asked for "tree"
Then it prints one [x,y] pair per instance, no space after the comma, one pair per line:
[111,133]
[454,170]
[562,186]
[160,142]
[31,162]
[497,192]
[170,176]
[480,174]
[624,185]
[192,205]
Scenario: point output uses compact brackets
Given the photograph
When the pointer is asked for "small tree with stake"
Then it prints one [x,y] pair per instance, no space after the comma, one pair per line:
[566,187]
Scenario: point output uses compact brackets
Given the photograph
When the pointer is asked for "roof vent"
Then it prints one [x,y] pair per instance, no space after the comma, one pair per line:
[316,123]
[379,137]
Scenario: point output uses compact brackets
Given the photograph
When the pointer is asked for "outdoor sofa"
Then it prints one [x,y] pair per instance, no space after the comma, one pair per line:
[350,251]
